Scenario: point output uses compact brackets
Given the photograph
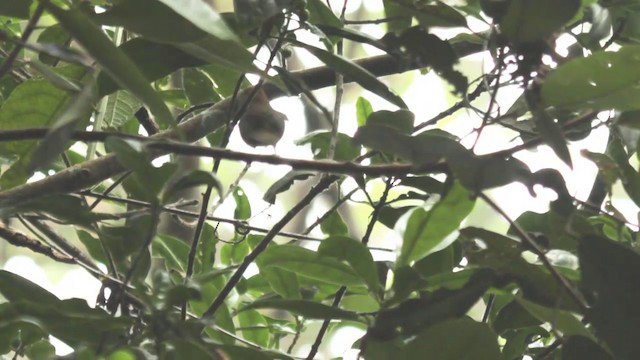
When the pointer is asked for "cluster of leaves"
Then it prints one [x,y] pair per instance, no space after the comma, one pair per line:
[557,285]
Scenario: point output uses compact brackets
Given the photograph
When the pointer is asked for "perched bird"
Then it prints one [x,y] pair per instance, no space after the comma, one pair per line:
[261,125]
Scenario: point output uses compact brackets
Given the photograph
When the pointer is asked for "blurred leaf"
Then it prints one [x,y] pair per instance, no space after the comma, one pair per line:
[443,341]
[283,282]
[255,12]
[175,252]
[66,208]
[628,175]
[74,115]
[203,16]
[320,140]
[356,254]
[193,179]
[565,322]
[320,14]
[551,133]
[354,72]
[401,16]
[243,205]
[401,120]
[531,20]
[14,287]
[601,81]
[363,110]
[121,68]
[305,308]
[440,15]
[426,230]
[308,263]
[15,8]
[334,225]
[120,108]
[254,327]
[41,350]
[417,314]
[198,88]
[159,61]
[580,347]
[32,104]
[514,316]
[188,349]
[284,183]
[609,273]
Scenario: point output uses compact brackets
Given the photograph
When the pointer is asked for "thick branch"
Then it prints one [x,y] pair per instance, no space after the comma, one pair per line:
[94,171]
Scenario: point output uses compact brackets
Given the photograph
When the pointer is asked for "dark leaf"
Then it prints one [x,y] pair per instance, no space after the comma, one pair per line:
[284,183]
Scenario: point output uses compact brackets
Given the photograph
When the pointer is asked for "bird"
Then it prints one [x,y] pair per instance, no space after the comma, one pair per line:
[261,125]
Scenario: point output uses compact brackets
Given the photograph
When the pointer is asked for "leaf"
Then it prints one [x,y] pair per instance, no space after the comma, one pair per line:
[628,175]
[15,288]
[531,20]
[363,110]
[32,104]
[192,179]
[402,16]
[354,72]
[334,225]
[320,14]
[440,15]
[609,273]
[121,106]
[254,327]
[426,230]
[65,208]
[580,347]
[551,133]
[15,8]
[284,183]
[285,283]
[417,314]
[356,254]
[243,205]
[122,69]
[310,264]
[603,80]
[320,141]
[305,308]
[159,61]
[198,88]
[174,252]
[203,16]
[561,320]
[401,120]
[76,114]
[443,342]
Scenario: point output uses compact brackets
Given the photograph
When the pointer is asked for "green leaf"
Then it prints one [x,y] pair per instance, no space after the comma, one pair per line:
[243,205]
[175,252]
[121,68]
[159,61]
[310,264]
[32,104]
[440,15]
[285,283]
[64,207]
[16,288]
[531,20]
[628,175]
[363,110]
[356,254]
[193,179]
[305,308]
[354,72]
[284,183]
[609,273]
[320,141]
[444,342]
[203,16]
[15,8]
[394,10]
[401,120]
[603,80]
[580,347]
[198,88]
[561,320]
[334,225]
[551,133]
[426,230]
[254,327]
[320,14]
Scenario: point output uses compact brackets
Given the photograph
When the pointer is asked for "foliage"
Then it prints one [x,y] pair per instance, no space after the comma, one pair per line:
[88,93]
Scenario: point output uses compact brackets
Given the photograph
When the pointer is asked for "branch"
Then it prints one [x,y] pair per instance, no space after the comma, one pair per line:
[94,171]
[19,239]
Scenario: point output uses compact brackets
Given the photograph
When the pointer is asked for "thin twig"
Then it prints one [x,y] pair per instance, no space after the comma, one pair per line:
[28,30]
[564,283]
[19,239]
[262,246]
